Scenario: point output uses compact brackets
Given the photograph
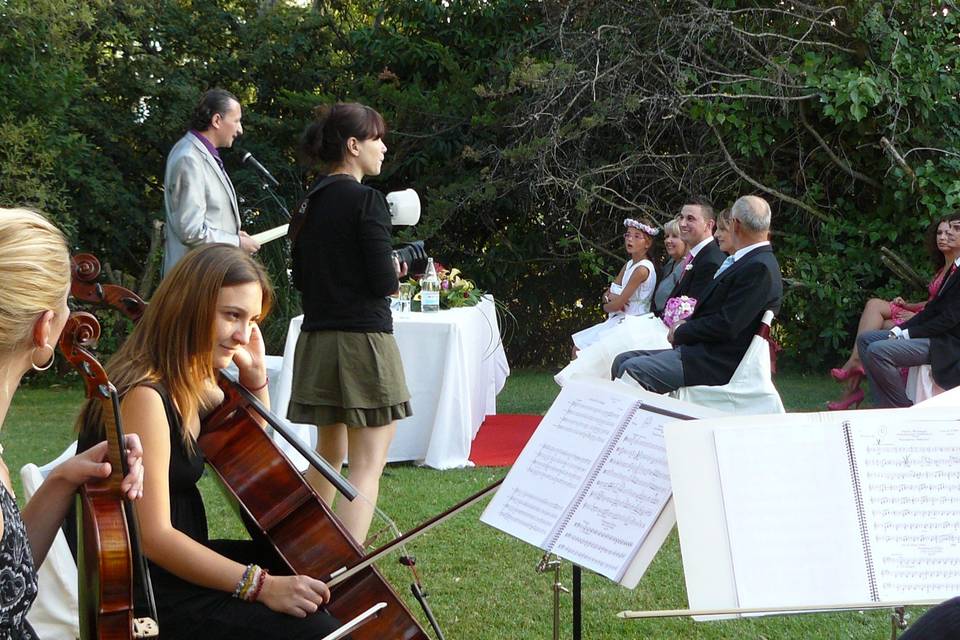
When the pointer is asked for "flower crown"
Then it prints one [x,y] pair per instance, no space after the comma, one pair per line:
[636,224]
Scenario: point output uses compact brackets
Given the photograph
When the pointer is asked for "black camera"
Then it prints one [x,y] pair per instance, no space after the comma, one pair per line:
[413,254]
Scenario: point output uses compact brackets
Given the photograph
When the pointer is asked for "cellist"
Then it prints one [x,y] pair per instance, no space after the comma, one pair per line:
[204,316]
[35,267]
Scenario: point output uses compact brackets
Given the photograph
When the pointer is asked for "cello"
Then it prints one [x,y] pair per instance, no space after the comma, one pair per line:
[106,547]
[283,506]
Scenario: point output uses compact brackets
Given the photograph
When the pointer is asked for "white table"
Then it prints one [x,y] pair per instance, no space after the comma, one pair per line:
[454,364]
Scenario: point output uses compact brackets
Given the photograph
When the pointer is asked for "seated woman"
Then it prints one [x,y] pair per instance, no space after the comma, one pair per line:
[672,270]
[33,254]
[882,314]
[722,233]
[630,293]
[204,316]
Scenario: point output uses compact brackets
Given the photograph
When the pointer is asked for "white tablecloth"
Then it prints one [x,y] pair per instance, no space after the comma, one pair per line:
[454,364]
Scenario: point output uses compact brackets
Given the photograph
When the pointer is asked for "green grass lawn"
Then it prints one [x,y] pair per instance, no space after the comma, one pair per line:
[483,583]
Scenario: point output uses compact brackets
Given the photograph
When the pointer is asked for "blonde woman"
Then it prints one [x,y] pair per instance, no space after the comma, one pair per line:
[672,270]
[35,267]
[204,316]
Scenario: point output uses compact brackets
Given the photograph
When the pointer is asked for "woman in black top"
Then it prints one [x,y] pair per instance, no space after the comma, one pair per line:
[35,269]
[203,316]
[347,375]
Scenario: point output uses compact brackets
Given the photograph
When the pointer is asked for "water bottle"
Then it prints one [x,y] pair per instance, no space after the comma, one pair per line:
[430,289]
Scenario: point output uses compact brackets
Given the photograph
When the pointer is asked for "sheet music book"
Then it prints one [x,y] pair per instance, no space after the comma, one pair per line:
[592,485]
[821,509]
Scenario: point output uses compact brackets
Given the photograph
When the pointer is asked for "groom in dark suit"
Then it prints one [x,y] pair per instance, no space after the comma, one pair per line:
[930,337]
[709,345]
[697,221]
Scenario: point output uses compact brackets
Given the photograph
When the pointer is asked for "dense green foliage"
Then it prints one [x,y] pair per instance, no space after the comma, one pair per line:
[530,129]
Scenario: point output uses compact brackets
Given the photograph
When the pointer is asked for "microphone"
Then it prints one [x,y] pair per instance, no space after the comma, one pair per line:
[247,158]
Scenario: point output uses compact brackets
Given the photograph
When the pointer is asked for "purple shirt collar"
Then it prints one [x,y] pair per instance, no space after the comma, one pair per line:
[209,145]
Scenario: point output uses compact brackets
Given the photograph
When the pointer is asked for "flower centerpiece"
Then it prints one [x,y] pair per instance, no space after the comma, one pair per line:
[455,291]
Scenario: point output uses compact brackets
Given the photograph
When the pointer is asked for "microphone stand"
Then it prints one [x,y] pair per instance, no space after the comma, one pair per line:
[265,186]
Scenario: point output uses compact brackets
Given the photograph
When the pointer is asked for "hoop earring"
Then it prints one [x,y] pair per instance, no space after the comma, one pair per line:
[49,362]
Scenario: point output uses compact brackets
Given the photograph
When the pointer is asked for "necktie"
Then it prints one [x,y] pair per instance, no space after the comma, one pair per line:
[723,266]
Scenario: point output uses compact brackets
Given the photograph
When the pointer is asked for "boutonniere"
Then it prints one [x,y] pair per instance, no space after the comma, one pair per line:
[688,267]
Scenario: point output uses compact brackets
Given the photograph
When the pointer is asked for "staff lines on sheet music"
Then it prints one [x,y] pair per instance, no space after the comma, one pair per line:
[623,484]
[904,561]
[921,539]
[916,513]
[620,541]
[630,439]
[527,504]
[617,517]
[913,500]
[917,526]
[915,475]
[952,453]
[922,487]
[558,465]
[924,587]
[580,554]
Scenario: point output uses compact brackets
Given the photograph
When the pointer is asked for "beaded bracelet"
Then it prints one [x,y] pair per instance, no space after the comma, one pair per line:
[261,580]
[238,592]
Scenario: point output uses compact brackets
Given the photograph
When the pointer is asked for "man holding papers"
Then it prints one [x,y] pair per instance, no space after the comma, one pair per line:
[930,337]
[709,345]
[200,202]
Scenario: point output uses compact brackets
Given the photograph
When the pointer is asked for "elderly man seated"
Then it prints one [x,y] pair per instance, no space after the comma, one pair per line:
[709,345]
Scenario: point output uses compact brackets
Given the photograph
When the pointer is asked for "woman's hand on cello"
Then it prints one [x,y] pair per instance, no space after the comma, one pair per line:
[297,596]
[92,464]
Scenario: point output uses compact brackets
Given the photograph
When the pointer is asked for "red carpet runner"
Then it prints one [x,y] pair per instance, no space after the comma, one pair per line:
[500,439]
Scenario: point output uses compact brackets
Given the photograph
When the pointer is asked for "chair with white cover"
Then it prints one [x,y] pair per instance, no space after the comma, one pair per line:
[55,614]
[750,390]
[920,384]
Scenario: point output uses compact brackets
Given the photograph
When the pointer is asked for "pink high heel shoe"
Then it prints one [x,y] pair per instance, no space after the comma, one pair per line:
[854,398]
[842,374]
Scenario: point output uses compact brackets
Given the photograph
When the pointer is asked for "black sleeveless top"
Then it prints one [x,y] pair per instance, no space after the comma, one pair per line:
[18,578]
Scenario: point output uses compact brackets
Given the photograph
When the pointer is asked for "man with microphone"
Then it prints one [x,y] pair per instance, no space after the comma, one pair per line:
[200,202]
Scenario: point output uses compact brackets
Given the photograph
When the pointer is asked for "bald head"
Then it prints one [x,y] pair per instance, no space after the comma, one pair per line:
[752,216]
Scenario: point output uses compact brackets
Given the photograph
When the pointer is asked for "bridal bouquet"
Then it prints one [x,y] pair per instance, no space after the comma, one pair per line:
[678,309]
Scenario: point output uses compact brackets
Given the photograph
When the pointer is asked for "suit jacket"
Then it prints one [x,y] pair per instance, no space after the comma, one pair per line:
[714,339]
[700,274]
[940,322]
[199,199]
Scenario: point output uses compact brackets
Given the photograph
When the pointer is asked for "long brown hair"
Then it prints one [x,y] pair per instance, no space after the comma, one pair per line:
[173,342]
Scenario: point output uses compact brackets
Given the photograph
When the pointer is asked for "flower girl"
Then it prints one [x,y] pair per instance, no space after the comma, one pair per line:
[631,292]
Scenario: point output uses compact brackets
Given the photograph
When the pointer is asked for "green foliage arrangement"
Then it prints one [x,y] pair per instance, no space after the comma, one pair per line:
[529,129]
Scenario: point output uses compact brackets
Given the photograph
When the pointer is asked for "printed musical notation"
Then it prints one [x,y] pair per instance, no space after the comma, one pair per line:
[910,481]
[629,491]
[590,483]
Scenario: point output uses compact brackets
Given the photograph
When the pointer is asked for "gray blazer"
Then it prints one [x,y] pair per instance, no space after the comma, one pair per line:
[199,199]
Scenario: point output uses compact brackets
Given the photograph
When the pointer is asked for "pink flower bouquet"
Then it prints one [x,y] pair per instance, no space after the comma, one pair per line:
[678,309]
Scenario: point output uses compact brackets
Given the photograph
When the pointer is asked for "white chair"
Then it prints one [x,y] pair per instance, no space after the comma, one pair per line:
[920,384]
[55,614]
[750,390]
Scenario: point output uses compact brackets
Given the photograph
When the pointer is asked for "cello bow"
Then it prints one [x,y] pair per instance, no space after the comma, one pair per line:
[107,547]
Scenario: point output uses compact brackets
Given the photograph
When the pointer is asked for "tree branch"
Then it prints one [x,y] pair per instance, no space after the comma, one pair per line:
[853,173]
[733,165]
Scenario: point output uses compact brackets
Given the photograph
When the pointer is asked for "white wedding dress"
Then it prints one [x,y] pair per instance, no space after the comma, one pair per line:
[638,304]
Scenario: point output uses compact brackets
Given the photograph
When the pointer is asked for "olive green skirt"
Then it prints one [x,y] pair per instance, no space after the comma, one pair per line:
[348,377]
